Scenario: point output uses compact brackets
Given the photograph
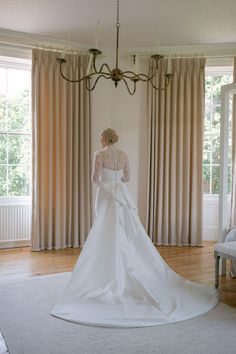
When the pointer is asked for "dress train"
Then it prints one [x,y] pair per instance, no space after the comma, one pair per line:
[120,279]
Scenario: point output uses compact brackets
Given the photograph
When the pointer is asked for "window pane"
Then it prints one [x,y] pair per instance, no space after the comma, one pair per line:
[229,179]
[230,151]
[19,149]
[206,179]
[217,82]
[15,117]
[3,105]
[230,106]
[19,180]
[18,109]
[211,147]
[207,125]
[216,120]
[3,181]
[18,81]
[3,148]
[208,91]
[216,149]
[216,89]
[3,81]
[215,179]
[207,149]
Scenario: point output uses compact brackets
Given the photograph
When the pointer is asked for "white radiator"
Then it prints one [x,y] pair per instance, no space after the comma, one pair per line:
[15,224]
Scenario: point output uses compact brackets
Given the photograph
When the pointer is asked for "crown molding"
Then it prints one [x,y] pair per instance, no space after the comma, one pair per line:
[29,40]
[14,51]
[206,50]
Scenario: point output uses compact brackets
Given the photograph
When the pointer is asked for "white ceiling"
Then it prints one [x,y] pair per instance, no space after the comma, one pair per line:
[180,22]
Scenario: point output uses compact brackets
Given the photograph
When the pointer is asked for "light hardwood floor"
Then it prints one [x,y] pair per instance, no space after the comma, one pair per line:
[193,263]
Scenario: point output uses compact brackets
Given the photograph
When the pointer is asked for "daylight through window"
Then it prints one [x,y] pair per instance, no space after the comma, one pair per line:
[211,150]
[15,130]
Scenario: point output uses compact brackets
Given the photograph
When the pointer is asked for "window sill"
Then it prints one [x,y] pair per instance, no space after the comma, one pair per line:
[15,200]
[210,196]
[213,199]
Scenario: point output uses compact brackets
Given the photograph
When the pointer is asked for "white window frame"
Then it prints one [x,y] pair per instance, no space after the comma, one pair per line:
[216,71]
[24,64]
[226,90]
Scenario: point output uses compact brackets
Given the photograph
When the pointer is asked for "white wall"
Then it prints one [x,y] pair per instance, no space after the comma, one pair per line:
[211,216]
[115,108]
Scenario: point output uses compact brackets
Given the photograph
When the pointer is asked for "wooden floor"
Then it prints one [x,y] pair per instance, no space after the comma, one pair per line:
[193,263]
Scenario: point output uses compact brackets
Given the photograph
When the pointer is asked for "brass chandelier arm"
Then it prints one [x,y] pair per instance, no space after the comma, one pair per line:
[141,77]
[94,64]
[103,74]
[127,86]
[130,75]
[167,82]
[95,82]
[87,81]
[106,66]
[70,80]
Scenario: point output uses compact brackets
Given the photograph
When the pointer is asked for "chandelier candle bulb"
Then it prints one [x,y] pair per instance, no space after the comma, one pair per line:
[136,65]
[63,54]
[89,64]
[169,65]
[156,40]
[97,34]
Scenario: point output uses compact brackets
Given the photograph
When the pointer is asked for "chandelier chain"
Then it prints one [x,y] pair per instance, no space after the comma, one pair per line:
[118,13]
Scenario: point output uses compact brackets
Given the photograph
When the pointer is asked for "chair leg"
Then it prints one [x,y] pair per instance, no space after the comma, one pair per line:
[222,269]
[217,259]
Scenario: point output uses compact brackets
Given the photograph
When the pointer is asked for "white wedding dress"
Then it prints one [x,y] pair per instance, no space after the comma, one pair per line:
[120,279]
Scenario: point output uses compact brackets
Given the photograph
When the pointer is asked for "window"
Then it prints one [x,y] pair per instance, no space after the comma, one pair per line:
[215,78]
[15,128]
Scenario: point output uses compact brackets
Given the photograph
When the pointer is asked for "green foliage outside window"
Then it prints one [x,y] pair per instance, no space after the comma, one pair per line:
[211,147]
[15,144]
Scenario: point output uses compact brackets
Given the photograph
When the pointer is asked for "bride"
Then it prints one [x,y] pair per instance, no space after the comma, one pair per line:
[120,279]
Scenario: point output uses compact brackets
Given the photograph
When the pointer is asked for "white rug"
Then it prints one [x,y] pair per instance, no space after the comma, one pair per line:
[28,327]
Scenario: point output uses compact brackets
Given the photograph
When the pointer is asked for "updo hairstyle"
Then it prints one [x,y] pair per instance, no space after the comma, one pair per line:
[110,136]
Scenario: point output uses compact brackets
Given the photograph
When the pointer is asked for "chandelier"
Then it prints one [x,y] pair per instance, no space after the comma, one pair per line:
[129,78]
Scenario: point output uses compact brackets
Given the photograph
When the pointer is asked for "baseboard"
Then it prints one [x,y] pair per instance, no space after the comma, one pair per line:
[210,233]
[13,244]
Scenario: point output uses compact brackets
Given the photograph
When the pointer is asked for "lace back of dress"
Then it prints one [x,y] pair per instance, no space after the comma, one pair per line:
[113,159]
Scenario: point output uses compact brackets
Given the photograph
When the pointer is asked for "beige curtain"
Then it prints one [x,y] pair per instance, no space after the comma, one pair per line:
[233,192]
[176,116]
[61,153]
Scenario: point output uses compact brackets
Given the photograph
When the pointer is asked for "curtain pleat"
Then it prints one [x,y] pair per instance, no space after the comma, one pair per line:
[61,208]
[176,116]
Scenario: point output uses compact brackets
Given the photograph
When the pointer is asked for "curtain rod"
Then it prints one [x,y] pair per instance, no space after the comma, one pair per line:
[44,47]
[182,56]
[124,53]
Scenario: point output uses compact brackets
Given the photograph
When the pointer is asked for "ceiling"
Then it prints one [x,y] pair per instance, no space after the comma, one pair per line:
[180,22]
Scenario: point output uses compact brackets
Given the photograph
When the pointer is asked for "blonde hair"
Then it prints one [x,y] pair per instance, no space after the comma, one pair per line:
[110,136]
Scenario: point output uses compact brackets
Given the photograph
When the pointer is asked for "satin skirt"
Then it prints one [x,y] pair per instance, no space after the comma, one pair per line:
[121,280]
